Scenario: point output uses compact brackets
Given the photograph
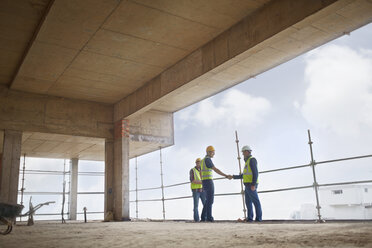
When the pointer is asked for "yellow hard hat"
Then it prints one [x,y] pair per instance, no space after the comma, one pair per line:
[197,160]
[210,149]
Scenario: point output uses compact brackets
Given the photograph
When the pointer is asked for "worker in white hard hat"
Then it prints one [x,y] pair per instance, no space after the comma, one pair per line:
[197,190]
[207,168]
[250,180]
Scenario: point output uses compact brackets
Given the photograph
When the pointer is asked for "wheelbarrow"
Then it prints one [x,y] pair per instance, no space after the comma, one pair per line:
[8,212]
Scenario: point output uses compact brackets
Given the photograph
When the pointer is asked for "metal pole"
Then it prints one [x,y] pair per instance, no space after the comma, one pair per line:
[64,190]
[162,185]
[240,172]
[23,180]
[312,163]
[136,189]
[85,214]
[69,190]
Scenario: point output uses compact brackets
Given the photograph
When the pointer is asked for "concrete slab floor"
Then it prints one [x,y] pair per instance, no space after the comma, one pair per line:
[188,234]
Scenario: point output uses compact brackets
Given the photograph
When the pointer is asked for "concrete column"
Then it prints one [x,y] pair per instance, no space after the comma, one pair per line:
[74,188]
[121,170]
[1,158]
[10,166]
[109,176]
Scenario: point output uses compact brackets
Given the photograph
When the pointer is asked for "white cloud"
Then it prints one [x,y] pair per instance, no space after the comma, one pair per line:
[339,96]
[235,108]
[297,105]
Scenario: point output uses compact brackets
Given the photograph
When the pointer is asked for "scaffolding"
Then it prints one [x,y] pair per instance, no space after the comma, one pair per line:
[63,193]
[313,163]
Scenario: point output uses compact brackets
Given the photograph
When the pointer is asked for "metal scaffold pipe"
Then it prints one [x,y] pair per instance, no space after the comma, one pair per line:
[314,177]
[63,194]
[162,184]
[136,189]
[240,172]
[23,180]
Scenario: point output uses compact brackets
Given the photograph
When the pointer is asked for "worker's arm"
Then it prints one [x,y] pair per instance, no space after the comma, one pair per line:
[254,169]
[197,181]
[209,164]
[238,176]
[219,172]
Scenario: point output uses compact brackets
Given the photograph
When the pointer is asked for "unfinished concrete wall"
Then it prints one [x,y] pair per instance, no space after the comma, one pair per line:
[41,113]
[11,155]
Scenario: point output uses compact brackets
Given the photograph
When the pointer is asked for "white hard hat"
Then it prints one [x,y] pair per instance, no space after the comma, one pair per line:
[246,148]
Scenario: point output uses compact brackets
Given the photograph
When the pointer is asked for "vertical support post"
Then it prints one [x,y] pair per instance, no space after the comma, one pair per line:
[240,172]
[162,184]
[313,163]
[1,169]
[136,189]
[69,193]
[23,180]
[74,169]
[121,171]
[85,214]
[63,192]
[10,164]
[109,178]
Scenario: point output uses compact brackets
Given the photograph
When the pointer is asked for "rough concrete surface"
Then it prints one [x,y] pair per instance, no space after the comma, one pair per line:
[188,234]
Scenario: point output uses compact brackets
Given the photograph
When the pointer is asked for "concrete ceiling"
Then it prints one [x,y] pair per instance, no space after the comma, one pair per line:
[104,50]
[44,145]
[18,22]
[107,51]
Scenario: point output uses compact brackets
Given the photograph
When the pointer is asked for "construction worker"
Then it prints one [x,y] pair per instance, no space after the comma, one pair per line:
[207,168]
[197,190]
[250,180]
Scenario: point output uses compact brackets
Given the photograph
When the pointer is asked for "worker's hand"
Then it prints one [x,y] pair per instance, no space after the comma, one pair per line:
[229,177]
[253,188]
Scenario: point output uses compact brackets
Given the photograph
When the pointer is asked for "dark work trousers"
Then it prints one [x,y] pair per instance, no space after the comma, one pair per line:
[208,187]
[196,195]
[252,197]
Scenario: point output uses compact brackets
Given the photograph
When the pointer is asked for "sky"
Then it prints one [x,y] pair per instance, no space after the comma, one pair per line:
[327,91]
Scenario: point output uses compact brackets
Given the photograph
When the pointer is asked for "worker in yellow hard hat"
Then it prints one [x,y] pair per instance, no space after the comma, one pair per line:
[207,168]
[197,190]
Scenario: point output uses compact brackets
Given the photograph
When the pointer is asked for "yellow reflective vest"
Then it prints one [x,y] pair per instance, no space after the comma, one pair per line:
[206,173]
[196,177]
[247,172]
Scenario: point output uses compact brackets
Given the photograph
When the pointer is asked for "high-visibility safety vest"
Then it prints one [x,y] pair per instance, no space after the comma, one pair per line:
[206,173]
[247,172]
[196,177]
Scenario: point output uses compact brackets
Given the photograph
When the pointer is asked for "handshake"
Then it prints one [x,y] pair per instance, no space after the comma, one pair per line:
[229,177]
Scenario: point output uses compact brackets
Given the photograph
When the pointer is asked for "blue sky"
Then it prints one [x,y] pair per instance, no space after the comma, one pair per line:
[327,90]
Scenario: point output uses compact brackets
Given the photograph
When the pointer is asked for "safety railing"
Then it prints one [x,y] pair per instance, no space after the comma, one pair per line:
[312,165]
[62,193]
[163,198]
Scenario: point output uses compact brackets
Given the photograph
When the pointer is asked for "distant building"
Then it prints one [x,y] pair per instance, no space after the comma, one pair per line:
[340,202]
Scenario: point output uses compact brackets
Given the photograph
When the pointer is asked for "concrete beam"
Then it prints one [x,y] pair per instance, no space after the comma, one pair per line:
[40,113]
[252,30]
[10,166]
[74,188]
[150,130]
